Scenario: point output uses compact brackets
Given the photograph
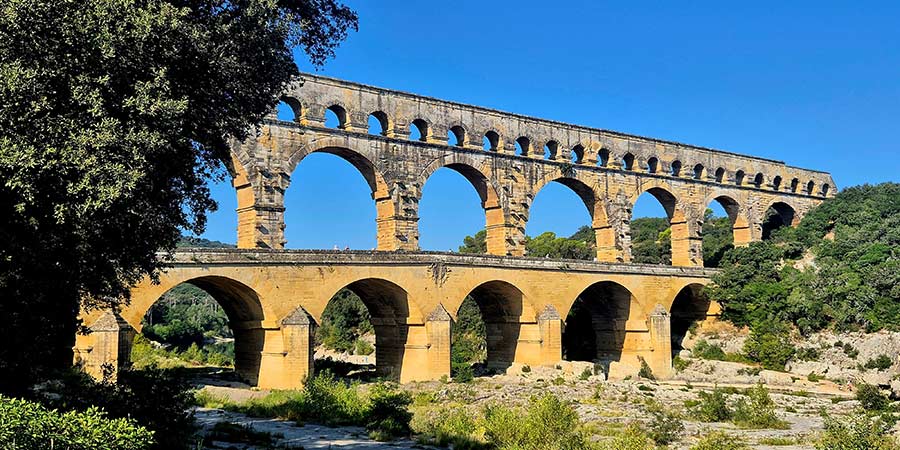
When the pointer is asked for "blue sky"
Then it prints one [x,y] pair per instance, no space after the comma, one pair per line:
[816,84]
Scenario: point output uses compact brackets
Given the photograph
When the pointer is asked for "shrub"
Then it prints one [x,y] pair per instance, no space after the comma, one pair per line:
[807,354]
[455,427]
[757,411]
[850,351]
[769,344]
[711,406]
[705,350]
[645,371]
[526,368]
[363,347]
[585,374]
[749,371]
[387,416]
[546,424]
[632,438]
[881,362]
[856,432]
[717,440]
[871,398]
[665,426]
[814,377]
[159,400]
[27,425]
[680,363]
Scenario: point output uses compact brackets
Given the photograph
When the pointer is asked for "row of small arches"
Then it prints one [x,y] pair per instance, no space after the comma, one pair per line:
[419,130]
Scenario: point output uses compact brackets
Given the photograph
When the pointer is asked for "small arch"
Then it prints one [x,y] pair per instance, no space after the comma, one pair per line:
[795,184]
[810,187]
[676,168]
[456,136]
[776,183]
[653,165]
[778,215]
[603,157]
[336,117]
[720,175]
[418,130]
[594,328]
[628,162]
[690,307]
[378,123]
[825,189]
[523,146]
[551,149]
[289,109]
[699,172]
[719,234]
[491,141]
[578,154]
[759,180]
[739,178]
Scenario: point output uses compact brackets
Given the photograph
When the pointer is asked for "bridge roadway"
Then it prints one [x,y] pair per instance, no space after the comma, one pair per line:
[620,313]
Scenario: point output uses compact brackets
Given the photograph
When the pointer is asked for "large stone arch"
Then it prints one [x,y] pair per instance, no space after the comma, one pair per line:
[596,323]
[379,185]
[503,308]
[687,248]
[785,214]
[690,306]
[606,236]
[389,307]
[497,226]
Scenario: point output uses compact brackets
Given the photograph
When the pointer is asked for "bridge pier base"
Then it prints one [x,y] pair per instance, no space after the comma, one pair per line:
[106,348]
[660,358]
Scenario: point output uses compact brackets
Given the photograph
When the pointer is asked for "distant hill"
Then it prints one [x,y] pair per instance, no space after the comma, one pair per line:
[188,241]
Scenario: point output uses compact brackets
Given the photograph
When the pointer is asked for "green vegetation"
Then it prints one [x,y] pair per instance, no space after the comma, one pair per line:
[26,425]
[185,315]
[344,321]
[382,409]
[856,432]
[665,427]
[719,440]
[871,398]
[468,336]
[854,283]
[109,137]
[880,362]
[711,406]
[769,344]
[757,410]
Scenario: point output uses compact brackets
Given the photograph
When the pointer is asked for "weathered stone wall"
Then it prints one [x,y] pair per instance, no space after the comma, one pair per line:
[608,171]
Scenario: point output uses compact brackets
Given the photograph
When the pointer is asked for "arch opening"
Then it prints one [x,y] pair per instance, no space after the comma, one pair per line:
[452,215]
[551,150]
[776,183]
[778,215]
[653,165]
[811,187]
[676,168]
[365,312]
[739,178]
[759,180]
[689,310]
[577,154]
[289,109]
[651,228]
[378,123]
[699,172]
[418,130]
[795,184]
[523,146]
[721,226]
[336,117]
[485,336]
[491,141]
[628,162]
[594,329]
[720,175]
[334,172]
[456,136]
[603,157]
[554,235]
[206,323]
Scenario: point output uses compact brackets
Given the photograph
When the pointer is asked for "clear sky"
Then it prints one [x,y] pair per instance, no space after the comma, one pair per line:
[815,84]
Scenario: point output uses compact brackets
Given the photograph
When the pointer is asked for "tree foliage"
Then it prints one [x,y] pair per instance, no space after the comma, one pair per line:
[115,114]
[840,267]
[344,321]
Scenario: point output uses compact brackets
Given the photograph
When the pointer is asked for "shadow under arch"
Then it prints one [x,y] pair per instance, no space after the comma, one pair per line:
[245,316]
[488,193]
[778,215]
[503,310]
[689,307]
[594,329]
[389,308]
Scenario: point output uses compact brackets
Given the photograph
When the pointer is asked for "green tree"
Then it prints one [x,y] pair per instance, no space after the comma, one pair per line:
[344,320]
[115,114]
[475,244]
[651,241]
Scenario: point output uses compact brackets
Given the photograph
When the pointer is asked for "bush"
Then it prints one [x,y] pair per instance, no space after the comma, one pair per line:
[645,371]
[857,432]
[679,363]
[807,354]
[27,425]
[757,411]
[159,400]
[665,427]
[387,416]
[871,398]
[546,424]
[717,440]
[705,350]
[632,438]
[881,362]
[769,344]
[711,406]
[455,427]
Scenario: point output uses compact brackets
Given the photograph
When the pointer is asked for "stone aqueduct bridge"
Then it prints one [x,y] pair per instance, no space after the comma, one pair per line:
[275,297]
